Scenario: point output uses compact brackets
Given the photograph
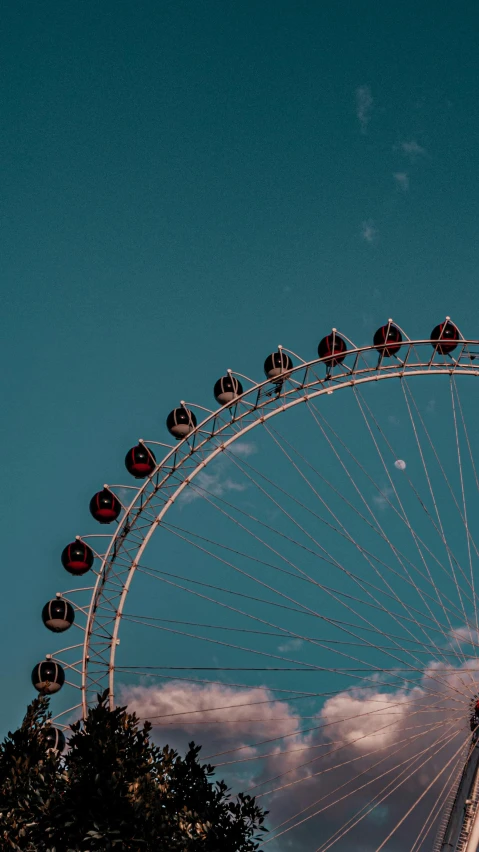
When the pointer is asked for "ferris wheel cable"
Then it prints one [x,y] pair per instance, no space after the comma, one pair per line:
[300,668]
[262,719]
[397,553]
[334,621]
[365,554]
[403,511]
[403,818]
[327,589]
[321,726]
[170,526]
[385,497]
[473,466]
[148,621]
[426,730]
[393,784]
[393,787]
[443,683]
[409,397]
[204,492]
[464,505]
[297,635]
[407,390]
[376,528]
[303,665]
[321,641]
[273,690]
[401,745]
[439,530]
[452,559]
[262,756]
[310,640]
[441,467]
[379,574]
[436,809]
[434,725]
[421,670]
[355,778]
[173,528]
[302,695]
[468,443]
[359,582]
[313,747]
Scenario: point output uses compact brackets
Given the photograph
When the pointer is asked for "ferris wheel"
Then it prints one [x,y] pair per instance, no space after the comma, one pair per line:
[304,603]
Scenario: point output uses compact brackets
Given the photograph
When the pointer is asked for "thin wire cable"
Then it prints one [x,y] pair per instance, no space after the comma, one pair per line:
[464,505]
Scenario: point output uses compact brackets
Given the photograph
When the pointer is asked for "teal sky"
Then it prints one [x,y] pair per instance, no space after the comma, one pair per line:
[186,185]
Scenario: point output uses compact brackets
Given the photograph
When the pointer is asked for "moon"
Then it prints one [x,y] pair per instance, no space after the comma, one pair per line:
[400,464]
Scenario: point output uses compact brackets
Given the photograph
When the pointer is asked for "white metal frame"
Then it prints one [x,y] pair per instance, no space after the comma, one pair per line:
[95,665]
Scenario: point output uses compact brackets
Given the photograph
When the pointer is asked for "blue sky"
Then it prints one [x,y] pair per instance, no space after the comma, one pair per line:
[184,186]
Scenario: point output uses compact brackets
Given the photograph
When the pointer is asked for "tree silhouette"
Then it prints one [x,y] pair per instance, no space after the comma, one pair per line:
[115,789]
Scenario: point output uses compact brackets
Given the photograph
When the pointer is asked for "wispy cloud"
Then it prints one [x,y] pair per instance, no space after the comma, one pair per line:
[411,149]
[463,636]
[364,106]
[362,721]
[211,485]
[243,448]
[292,645]
[383,499]
[401,180]
[369,231]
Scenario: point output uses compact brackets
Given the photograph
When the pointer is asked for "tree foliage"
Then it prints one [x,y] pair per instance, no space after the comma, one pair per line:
[115,789]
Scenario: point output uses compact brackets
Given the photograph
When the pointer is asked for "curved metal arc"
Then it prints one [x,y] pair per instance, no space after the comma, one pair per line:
[215,452]
[328,385]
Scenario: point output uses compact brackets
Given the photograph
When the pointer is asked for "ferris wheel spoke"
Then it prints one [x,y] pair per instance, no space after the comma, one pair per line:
[464,505]
[408,394]
[255,618]
[420,797]
[331,559]
[312,747]
[441,466]
[308,609]
[208,497]
[437,808]
[390,788]
[346,744]
[151,621]
[411,764]
[383,496]
[228,563]
[361,549]
[414,535]
[319,727]
[302,665]
[375,527]
[399,746]
[364,553]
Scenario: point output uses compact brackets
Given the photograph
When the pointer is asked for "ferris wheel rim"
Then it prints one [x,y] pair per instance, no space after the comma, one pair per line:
[220,429]
[332,383]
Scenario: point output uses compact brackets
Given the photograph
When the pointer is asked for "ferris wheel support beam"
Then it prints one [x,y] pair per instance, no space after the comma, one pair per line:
[462,830]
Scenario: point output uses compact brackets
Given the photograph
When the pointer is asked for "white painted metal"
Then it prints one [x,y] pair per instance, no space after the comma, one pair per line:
[219,430]
[205,442]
